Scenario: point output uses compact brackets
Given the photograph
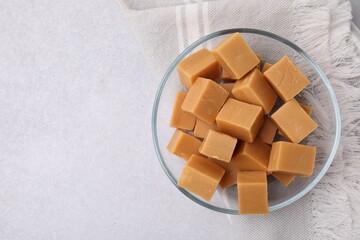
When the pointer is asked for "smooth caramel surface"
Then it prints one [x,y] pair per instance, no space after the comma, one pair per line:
[291,158]
[285,179]
[180,118]
[293,122]
[286,79]
[235,56]
[252,156]
[254,89]
[219,146]
[201,128]
[199,64]
[183,145]
[204,99]
[252,192]
[306,108]
[267,131]
[201,176]
[240,119]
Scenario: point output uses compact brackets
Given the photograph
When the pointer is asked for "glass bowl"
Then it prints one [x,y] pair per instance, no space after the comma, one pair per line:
[319,95]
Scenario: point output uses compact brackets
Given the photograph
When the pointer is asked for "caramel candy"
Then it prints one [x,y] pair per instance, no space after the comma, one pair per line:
[204,99]
[239,119]
[267,131]
[199,64]
[252,156]
[293,121]
[291,158]
[180,118]
[201,128]
[230,175]
[306,108]
[235,56]
[218,146]
[286,78]
[201,176]
[252,192]
[183,145]
[285,179]
[266,66]
[253,88]
[225,76]
[228,87]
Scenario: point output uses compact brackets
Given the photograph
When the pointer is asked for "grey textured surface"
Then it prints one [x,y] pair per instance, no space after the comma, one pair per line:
[76,157]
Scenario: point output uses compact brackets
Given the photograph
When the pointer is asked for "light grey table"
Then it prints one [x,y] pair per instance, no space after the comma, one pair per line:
[76,157]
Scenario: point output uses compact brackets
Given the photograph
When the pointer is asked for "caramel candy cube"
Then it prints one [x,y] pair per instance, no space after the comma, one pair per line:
[201,176]
[240,119]
[266,66]
[230,176]
[204,99]
[306,108]
[180,118]
[228,87]
[267,131]
[293,121]
[285,179]
[286,78]
[201,128]
[291,158]
[218,145]
[252,156]
[183,145]
[252,192]
[235,56]
[199,64]
[253,88]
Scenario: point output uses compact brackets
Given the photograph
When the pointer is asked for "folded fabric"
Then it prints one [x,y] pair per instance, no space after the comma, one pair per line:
[323,29]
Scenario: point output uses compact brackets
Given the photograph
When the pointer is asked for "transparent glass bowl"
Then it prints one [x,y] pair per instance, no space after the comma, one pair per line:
[319,95]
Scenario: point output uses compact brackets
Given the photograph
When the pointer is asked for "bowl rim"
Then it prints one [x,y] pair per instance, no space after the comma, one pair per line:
[191,47]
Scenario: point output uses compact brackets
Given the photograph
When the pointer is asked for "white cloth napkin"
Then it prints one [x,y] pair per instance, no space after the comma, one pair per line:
[323,29]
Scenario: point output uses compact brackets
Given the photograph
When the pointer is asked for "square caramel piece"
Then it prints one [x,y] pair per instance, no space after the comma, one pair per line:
[266,66]
[252,156]
[230,176]
[204,99]
[254,89]
[228,87]
[201,176]
[183,145]
[252,192]
[199,64]
[293,122]
[219,146]
[268,131]
[286,78]
[240,119]
[291,158]
[306,108]
[285,179]
[180,118]
[201,128]
[235,56]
